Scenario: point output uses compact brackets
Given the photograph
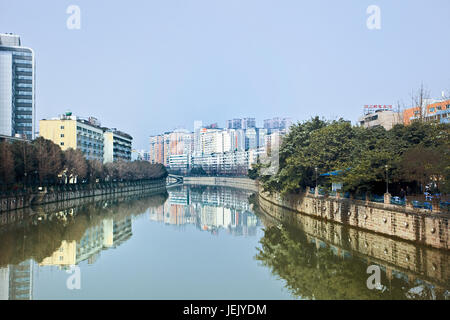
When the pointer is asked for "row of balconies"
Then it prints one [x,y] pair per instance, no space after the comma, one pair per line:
[90,136]
[90,145]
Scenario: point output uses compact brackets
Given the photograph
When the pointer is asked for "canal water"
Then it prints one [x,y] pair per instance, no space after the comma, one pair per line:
[196,242]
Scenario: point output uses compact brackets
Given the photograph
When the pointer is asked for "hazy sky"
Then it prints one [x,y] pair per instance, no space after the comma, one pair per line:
[149,66]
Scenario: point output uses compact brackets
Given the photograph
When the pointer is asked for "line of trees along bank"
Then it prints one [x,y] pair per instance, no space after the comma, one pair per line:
[42,162]
[415,156]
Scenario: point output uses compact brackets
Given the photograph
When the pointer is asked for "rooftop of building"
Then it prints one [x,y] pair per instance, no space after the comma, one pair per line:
[90,121]
[69,117]
[9,39]
[432,102]
[118,132]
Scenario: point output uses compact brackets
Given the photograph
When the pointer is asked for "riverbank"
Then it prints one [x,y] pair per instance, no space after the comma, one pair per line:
[399,258]
[69,193]
[403,222]
[406,223]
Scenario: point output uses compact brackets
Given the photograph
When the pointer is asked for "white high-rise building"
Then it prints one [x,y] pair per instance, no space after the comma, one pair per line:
[17,88]
[211,141]
[197,128]
[251,139]
[237,137]
[261,134]
[226,141]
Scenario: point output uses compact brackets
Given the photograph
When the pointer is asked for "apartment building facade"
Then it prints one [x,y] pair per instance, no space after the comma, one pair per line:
[69,131]
[95,142]
[17,88]
[117,146]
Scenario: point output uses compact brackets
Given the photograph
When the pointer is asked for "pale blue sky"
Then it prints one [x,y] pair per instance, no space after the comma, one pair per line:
[149,66]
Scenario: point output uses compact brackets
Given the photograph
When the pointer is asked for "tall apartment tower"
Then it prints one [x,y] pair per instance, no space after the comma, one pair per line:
[277,124]
[17,88]
[248,123]
[234,124]
[198,125]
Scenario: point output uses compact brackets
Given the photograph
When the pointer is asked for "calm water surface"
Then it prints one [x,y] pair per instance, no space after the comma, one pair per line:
[192,243]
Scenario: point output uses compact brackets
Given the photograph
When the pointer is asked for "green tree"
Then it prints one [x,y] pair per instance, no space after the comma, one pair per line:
[360,154]
[198,171]
[296,170]
[425,165]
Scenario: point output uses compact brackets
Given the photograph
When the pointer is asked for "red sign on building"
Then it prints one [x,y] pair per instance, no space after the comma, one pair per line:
[369,108]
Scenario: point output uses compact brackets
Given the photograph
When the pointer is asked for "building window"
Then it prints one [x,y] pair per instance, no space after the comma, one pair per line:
[62,143]
[62,127]
[62,135]
[432,109]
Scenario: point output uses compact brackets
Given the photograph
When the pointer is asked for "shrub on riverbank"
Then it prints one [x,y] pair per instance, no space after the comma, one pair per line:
[415,156]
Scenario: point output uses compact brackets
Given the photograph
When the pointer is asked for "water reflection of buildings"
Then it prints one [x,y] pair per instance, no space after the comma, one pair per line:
[209,209]
[109,233]
[16,281]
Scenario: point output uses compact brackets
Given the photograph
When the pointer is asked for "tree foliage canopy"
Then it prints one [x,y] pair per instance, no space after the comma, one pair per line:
[43,161]
[417,154]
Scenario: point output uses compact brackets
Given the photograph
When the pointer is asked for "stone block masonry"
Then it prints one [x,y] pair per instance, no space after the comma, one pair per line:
[416,225]
[416,261]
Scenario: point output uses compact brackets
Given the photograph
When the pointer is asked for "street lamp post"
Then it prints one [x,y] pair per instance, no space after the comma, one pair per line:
[316,176]
[387,179]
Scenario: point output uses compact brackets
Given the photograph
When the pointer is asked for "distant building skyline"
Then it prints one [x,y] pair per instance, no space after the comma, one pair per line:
[280,123]
[229,150]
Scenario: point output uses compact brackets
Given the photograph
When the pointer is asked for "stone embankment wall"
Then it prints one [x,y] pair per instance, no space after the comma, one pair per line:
[371,229]
[414,260]
[68,193]
[403,222]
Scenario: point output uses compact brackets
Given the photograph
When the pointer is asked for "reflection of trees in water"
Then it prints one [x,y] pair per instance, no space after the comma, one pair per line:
[315,272]
[198,189]
[38,240]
